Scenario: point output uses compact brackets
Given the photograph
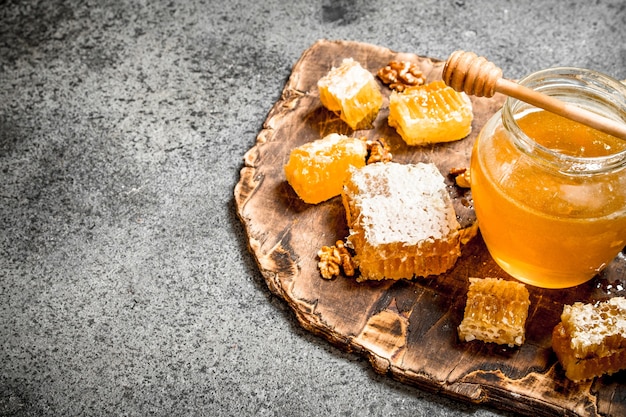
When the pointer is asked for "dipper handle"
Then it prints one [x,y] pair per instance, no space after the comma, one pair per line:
[474,75]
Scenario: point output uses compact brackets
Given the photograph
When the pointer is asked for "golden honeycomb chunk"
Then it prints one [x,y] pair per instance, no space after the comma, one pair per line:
[316,170]
[430,113]
[496,311]
[402,221]
[351,92]
[590,340]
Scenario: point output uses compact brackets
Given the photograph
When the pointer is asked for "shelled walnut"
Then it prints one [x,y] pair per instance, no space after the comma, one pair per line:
[461,177]
[399,75]
[378,151]
[333,259]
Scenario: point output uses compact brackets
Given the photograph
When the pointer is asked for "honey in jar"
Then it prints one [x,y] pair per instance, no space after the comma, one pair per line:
[550,193]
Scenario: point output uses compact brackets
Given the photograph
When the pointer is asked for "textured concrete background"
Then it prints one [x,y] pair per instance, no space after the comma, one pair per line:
[126,286]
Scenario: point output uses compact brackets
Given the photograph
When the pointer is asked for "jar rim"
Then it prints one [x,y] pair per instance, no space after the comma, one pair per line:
[596,86]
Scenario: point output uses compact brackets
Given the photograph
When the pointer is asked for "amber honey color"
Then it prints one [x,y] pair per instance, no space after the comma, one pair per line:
[317,169]
[543,227]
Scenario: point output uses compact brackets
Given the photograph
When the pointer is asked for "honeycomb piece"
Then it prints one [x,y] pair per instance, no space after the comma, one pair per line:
[496,311]
[351,92]
[316,170]
[401,219]
[430,113]
[590,340]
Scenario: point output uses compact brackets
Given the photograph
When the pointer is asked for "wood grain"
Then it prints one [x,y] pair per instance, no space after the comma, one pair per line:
[406,328]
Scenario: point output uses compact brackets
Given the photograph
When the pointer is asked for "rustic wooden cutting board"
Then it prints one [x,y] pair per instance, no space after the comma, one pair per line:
[406,328]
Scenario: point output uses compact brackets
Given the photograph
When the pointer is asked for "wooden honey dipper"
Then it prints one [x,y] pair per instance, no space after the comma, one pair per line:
[466,71]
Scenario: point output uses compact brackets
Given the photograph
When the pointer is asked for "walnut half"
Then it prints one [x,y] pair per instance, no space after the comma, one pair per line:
[378,151]
[399,75]
[461,177]
[332,259]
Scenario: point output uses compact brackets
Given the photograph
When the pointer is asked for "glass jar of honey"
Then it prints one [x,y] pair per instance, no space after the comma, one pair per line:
[550,193]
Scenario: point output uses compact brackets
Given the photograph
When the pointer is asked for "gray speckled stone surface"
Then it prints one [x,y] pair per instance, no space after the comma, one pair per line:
[126,287]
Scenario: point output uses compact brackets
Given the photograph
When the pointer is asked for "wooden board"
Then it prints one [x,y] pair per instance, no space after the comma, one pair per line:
[406,328]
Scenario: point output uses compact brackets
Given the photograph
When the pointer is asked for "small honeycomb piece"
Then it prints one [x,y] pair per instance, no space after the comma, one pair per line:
[496,311]
[430,113]
[590,340]
[351,92]
[316,170]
